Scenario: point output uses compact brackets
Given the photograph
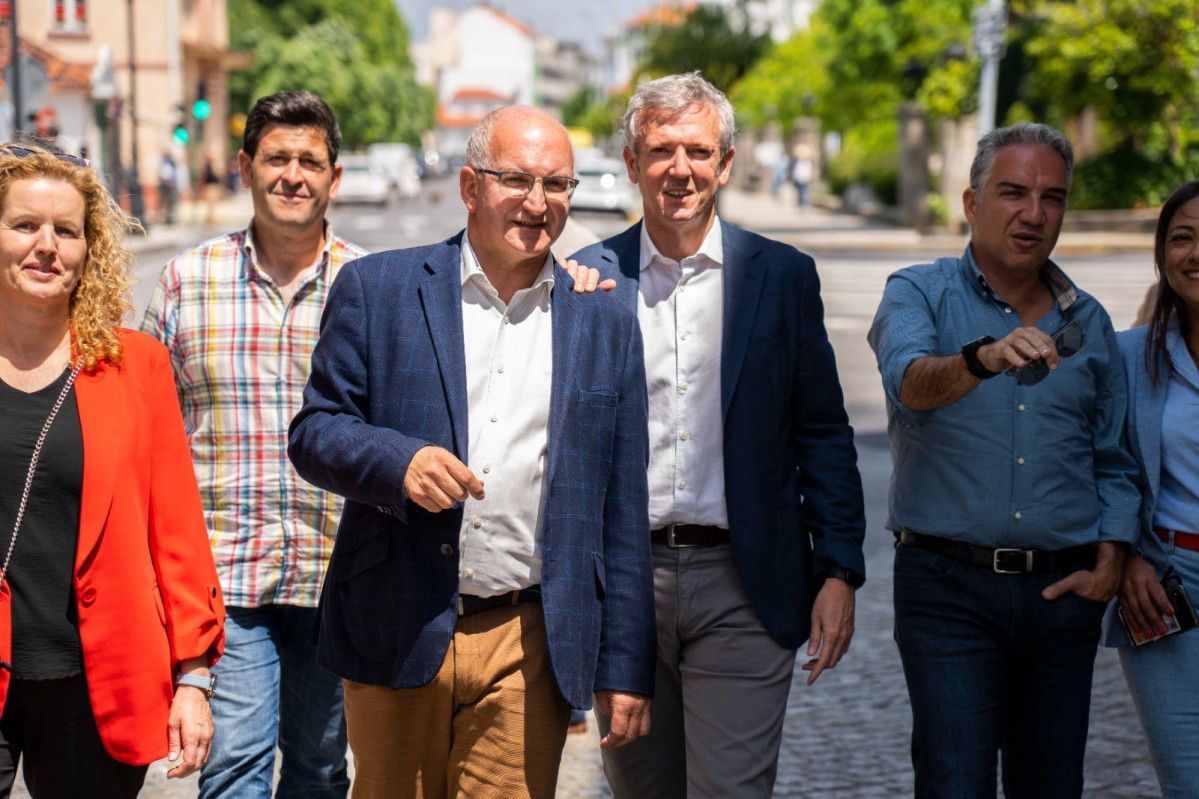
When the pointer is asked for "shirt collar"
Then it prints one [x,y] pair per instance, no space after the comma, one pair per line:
[712,247]
[1060,285]
[471,270]
[255,272]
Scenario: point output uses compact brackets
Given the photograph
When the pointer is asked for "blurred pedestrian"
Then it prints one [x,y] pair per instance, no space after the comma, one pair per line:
[1162,360]
[1013,496]
[467,623]
[802,171]
[168,188]
[240,315]
[110,615]
[746,417]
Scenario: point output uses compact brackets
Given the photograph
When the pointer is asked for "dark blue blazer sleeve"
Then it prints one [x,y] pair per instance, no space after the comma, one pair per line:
[331,441]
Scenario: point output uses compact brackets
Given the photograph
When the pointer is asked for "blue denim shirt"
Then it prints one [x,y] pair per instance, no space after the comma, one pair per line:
[1043,466]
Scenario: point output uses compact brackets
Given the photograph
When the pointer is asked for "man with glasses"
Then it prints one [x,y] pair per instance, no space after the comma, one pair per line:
[755,500]
[240,314]
[487,426]
[1013,497]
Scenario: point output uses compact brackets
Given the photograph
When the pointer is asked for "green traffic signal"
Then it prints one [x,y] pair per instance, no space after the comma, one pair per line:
[201,109]
[181,135]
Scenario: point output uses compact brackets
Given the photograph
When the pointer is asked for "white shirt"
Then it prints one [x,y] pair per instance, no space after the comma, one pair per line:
[681,310]
[509,366]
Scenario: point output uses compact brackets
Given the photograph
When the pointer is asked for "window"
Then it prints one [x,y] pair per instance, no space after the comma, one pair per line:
[68,16]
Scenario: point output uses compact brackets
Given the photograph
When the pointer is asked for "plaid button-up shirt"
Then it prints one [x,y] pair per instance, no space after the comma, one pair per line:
[241,359]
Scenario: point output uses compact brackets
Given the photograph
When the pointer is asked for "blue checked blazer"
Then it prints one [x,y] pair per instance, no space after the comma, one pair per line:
[792,487]
[389,377]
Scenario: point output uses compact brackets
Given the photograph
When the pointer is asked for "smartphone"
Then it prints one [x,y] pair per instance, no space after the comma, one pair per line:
[1184,617]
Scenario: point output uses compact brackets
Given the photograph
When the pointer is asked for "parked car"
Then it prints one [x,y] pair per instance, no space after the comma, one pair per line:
[604,186]
[361,182]
[396,161]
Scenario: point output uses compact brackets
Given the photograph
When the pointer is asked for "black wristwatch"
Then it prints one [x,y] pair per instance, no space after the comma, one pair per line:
[842,573]
[973,364]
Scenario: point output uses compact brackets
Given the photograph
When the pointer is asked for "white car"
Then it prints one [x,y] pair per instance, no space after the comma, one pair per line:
[604,186]
[397,162]
[361,182]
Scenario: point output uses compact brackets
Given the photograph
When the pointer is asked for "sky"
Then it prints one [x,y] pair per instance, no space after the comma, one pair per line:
[582,21]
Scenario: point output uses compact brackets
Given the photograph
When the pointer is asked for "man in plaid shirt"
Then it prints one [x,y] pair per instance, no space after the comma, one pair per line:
[240,315]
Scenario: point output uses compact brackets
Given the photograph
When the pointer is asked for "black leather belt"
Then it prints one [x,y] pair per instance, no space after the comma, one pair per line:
[1004,560]
[689,535]
[468,604]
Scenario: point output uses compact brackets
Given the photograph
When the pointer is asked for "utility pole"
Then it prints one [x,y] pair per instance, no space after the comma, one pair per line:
[990,27]
[136,205]
[14,88]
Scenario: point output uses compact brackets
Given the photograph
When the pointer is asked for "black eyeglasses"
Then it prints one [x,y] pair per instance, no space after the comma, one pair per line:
[519,184]
[25,152]
[1068,339]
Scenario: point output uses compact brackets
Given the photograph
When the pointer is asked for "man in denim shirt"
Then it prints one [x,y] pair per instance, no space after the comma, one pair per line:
[1013,495]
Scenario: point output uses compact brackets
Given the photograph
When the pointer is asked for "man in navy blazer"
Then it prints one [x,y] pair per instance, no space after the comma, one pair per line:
[488,430]
[755,499]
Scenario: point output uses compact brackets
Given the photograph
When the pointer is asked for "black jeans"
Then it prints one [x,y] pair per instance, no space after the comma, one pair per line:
[50,724]
[993,668]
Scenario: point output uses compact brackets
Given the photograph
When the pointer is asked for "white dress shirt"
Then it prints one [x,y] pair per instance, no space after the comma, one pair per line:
[509,366]
[681,310]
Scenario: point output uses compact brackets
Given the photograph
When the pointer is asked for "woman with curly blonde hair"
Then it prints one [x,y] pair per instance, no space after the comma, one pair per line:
[110,611]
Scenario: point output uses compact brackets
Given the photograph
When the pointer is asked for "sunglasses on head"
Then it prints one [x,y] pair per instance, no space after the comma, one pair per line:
[1068,339]
[25,152]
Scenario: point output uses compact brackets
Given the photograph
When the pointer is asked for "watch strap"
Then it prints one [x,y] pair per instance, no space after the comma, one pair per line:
[842,573]
[205,684]
[973,364]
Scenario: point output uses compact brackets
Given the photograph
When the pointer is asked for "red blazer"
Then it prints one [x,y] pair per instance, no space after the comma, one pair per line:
[145,583]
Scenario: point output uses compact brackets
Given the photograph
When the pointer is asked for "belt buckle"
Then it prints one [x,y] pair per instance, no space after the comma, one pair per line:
[670,542]
[1028,553]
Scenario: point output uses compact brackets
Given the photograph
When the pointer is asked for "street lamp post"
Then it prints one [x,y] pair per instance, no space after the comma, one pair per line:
[136,204]
[990,26]
[14,87]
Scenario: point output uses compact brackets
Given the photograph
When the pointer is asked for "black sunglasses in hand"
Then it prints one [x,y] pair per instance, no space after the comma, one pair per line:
[1068,340]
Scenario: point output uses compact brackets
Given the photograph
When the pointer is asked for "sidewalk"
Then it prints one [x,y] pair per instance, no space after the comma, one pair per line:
[230,213]
[821,230]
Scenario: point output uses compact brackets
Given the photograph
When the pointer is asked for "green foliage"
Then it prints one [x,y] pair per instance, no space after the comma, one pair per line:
[711,40]
[1127,178]
[789,82]
[353,53]
[869,155]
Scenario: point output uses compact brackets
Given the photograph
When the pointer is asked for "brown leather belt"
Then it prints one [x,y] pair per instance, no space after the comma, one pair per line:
[1004,560]
[689,535]
[468,604]
[1185,540]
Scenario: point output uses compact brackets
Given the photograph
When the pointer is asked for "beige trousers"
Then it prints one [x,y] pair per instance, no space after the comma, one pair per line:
[492,723]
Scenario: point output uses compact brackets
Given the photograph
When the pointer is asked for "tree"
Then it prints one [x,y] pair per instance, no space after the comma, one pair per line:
[1135,63]
[353,53]
[710,39]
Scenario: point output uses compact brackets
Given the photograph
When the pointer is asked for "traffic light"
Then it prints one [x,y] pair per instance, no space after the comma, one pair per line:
[201,108]
[181,134]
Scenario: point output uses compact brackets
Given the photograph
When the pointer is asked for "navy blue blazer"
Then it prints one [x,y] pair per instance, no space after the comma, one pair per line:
[792,487]
[389,377]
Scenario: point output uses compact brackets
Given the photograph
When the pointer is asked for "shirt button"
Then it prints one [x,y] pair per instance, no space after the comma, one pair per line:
[469,573]
[500,368]
[494,418]
[506,321]
[1007,310]
[1020,407]
[88,596]
[684,385]
[682,287]
[1019,515]
[682,485]
[684,435]
[476,522]
[486,470]
[1020,461]
[683,336]
[447,550]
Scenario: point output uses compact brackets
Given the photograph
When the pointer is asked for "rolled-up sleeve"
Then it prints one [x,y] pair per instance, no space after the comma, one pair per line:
[1116,472]
[904,329]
